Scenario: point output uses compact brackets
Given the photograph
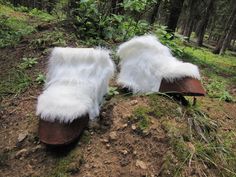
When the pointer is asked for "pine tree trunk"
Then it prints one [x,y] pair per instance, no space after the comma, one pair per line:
[228,36]
[203,23]
[175,10]
[183,27]
[189,29]
[190,18]
[222,43]
[154,12]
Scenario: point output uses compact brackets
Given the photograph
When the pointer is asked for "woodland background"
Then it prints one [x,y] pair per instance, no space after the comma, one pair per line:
[210,21]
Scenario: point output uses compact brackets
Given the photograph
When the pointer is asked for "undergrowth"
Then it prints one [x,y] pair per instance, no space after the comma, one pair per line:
[14,23]
[12,29]
[16,82]
[198,142]
[49,39]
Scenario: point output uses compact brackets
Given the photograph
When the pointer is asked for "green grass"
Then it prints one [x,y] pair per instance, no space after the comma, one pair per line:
[224,65]
[43,16]
[13,25]
[196,140]
[18,22]
[17,81]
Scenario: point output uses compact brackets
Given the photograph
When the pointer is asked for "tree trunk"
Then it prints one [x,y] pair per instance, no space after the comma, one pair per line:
[183,26]
[203,23]
[190,18]
[228,36]
[154,12]
[175,10]
[221,45]
[189,28]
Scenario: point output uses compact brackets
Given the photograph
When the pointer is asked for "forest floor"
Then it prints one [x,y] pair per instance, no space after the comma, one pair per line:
[136,135]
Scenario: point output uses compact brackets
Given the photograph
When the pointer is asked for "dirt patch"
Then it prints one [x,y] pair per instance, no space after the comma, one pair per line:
[118,151]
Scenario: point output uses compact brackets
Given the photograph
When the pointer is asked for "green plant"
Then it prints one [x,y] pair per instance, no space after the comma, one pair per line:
[18,81]
[13,26]
[217,89]
[40,79]
[199,122]
[54,38]
[28,63]
[96,26]
[41,15]
[21,9]
[135,5]
[12,29]
[170,40]
[112,91]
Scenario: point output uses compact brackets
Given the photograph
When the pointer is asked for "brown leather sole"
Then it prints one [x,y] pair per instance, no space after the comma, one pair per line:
[56,133]
[187,86]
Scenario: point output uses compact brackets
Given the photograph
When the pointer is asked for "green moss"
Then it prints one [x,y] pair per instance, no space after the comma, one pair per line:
[163,106]
[141,114]
[66,166]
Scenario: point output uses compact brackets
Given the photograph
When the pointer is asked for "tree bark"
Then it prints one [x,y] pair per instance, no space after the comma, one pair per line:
[175,10]
[222,43]
[191,15]
[203,23]
[154,12]
[228,36]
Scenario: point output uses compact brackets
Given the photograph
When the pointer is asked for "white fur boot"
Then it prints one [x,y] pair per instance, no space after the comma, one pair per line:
[145,63]
[77,81]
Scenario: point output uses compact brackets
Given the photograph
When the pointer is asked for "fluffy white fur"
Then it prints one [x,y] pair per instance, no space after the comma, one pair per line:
[145,62]
[76,82]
